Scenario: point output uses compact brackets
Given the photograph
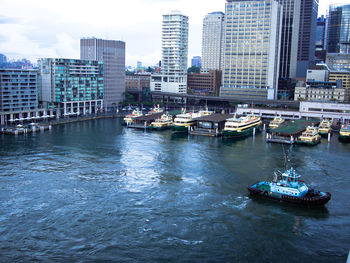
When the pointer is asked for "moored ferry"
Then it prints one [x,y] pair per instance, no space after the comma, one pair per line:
[183,121]
[276,122]
[242,126]
[310,136]
[155,110]
[324,128]
[164,122]
[287,187]
[129,119]
[344,133]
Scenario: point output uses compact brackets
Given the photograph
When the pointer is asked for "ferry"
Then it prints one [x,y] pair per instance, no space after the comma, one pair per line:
[310,136]
[276,122]
[344,133]
[155,110]
[242,126]
[183,121]
[324,128]
[287,187]
[129,119]
[164,122]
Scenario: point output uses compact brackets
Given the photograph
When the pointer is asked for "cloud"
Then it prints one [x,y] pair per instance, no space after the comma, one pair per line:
[6,20]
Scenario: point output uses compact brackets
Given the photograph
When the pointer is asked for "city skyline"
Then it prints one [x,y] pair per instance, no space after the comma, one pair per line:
[22,34]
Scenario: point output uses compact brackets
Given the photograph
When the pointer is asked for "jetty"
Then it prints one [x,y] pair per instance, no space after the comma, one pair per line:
[289,131]
[210,125]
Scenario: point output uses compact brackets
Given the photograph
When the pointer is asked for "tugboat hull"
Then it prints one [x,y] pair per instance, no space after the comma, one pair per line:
[312,198]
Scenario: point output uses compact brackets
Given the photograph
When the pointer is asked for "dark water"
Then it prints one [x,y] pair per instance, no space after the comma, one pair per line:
[95,191]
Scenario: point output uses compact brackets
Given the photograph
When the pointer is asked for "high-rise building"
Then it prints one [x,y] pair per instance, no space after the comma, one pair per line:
[112,54]
[251,49]
[289,38]
[338,29]
[196,61]
[320,44]
[18,90]
[212,40]
[321,33]
[72,86]
[173,76]
[307,36]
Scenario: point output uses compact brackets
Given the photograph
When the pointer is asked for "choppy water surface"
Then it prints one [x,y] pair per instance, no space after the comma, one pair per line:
[97,191]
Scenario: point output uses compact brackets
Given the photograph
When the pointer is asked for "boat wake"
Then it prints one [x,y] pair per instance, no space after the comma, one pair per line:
[184,241]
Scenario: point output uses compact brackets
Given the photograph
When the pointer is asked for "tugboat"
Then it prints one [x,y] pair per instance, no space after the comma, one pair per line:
[310,136]
[325,127]
[344,133]
[288,188]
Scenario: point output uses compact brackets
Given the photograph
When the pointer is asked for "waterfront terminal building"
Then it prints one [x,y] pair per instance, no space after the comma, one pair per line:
[71,86]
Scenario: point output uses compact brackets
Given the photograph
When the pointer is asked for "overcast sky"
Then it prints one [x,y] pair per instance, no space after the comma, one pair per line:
[50,28]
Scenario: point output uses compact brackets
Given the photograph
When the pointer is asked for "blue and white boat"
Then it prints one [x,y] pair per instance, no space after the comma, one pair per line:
[287,187]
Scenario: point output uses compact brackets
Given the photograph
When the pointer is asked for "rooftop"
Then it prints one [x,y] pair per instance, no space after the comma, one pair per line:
[216,117]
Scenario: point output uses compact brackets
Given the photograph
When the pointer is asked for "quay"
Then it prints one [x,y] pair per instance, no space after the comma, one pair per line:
[21,129]
[25,128]
[289,131]
[210,125]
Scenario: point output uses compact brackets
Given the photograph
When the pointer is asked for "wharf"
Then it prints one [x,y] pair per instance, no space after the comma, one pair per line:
[47,125]
[289,131]
[144,121]
[210,125]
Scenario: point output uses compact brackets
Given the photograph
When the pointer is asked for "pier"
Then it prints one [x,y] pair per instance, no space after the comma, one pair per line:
[289,131]
[210,125]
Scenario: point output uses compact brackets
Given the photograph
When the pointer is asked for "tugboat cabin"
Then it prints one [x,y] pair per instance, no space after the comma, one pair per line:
[290,184]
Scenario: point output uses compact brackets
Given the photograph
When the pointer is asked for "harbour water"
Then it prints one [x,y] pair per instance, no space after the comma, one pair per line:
[96,191]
